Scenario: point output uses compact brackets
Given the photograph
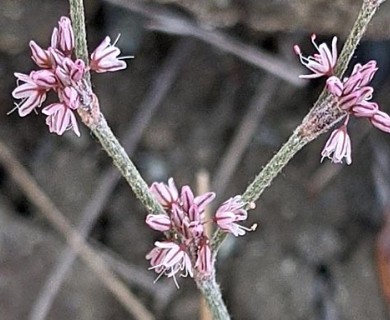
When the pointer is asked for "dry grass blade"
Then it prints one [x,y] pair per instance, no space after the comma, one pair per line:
[47,208]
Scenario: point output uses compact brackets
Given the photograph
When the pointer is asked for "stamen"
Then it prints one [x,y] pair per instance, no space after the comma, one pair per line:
[313,39]
[116,39]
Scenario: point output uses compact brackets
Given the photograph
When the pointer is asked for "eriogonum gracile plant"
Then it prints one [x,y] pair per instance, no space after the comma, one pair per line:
[186,249]
[351,94]
[61,73]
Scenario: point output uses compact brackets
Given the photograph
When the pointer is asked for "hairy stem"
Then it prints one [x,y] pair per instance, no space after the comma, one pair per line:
[96,122]
[213,296]
[78,23]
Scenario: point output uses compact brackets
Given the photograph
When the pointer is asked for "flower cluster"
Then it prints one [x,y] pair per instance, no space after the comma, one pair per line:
[187,247]
[63,74]
[352,94]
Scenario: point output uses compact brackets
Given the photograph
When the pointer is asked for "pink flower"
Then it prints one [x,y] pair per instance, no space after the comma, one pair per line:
[338,146]
[365,109]
[230,212]
[166,195]
[204,261]
[188,199]
[159,222]
[353,96]
[60,117]
[105,58]
[381,120]
[321,63]
[170,258]
[353,93]
[70,97]
[44,79]
[366,72]
[191,231]
[62,37]
[63,75]
[32,95]
[40,56]
[69,71]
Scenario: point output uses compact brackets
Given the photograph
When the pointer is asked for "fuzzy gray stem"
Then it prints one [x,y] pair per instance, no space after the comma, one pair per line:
[95,120]
[212,294]
[128,170]
[78,23]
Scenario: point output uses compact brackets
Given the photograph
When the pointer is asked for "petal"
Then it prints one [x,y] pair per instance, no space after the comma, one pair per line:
[381,120]
[98,52]
[25,90]
[187,197]
[203,200]
[52,108]
[159,222]
[33,101]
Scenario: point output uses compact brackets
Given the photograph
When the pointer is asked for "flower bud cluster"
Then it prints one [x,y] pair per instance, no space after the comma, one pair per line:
[352,95]
[61,73]
[187,247]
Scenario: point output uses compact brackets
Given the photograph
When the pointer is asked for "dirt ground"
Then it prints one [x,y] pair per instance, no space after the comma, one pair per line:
[315,252]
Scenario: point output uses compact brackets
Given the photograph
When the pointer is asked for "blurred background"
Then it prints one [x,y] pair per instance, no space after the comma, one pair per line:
[212,94]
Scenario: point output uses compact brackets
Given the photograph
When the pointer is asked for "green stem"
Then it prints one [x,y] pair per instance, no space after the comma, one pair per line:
[78,22]
[95,120]
[367,11]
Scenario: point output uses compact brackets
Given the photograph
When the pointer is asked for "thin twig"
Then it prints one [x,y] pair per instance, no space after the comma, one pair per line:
[108,180]
[47,208]
[169,22]
[89,112]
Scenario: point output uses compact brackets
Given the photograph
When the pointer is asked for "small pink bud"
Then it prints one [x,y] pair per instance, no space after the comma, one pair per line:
[41,57]
[44,79]
[166,195]
[63,38]
[204,261]
[381,120]
[334,86]
[365,109]
[159,222]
